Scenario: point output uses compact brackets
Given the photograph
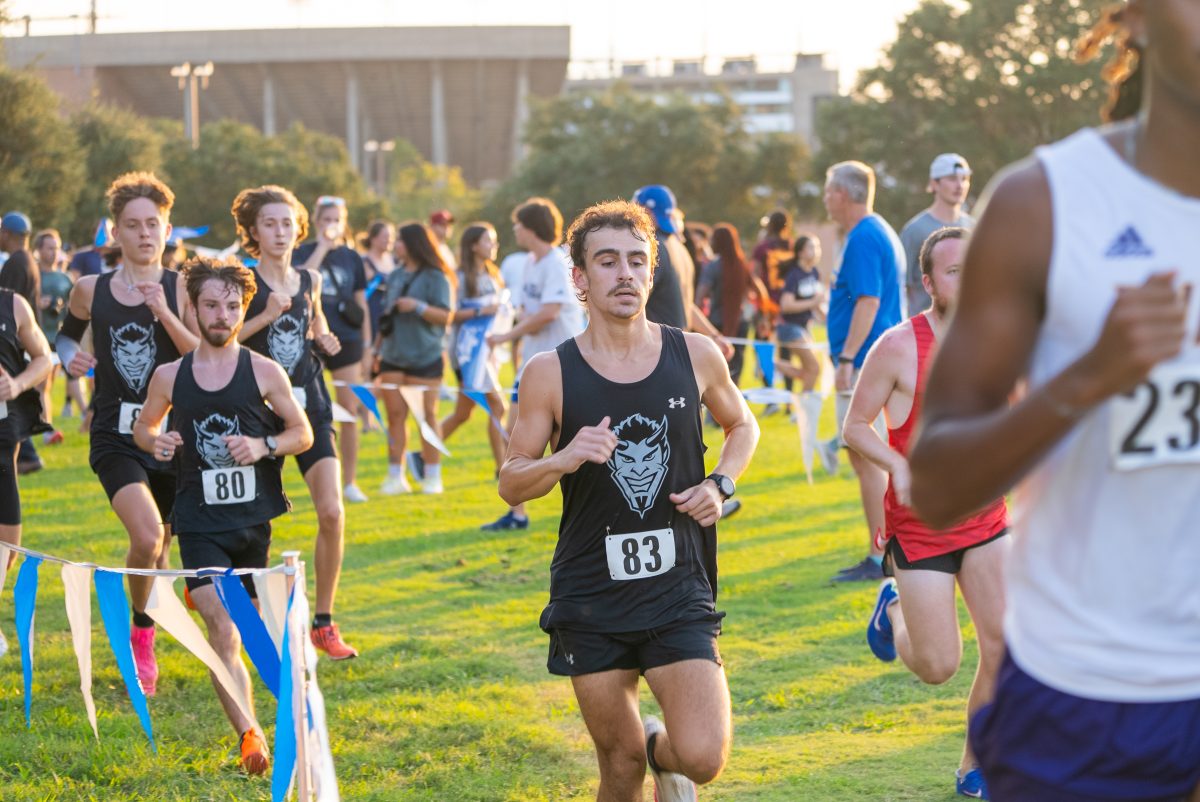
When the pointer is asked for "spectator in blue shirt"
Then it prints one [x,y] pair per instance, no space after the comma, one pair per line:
[866,300]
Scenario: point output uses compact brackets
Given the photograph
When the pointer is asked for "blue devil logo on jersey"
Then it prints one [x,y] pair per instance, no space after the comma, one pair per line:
[133,351]
[210,440]
[285,341]
[639,462]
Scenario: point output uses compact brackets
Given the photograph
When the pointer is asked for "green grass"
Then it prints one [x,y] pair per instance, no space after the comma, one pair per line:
[450,699]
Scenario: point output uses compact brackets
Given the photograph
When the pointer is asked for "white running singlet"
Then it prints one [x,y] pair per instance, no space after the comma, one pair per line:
[1103,590]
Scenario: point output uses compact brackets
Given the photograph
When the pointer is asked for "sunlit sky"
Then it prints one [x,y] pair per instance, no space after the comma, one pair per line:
[850,31]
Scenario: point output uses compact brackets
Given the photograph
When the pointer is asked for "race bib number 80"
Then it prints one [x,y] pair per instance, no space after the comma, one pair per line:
[128,417]
[640,555]
[1158,423]
[228,485]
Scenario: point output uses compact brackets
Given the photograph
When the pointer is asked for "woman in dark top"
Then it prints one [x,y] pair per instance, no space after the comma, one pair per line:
[378,263]
[420,303]
[801,299]
[343,297]
[727,282]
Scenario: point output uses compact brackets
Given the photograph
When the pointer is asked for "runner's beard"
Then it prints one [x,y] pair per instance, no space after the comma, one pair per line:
[218,338]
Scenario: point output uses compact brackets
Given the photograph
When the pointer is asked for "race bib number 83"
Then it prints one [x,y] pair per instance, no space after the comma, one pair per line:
[1158,423]
[640,555]
[228,485]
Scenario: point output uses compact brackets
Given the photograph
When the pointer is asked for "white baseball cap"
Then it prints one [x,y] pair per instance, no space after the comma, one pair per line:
[948,164]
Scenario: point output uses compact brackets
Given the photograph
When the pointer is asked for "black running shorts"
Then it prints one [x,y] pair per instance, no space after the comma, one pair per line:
[352,351]
[948,563]
[248,547]
[575,652]
[324,445]
[117,468]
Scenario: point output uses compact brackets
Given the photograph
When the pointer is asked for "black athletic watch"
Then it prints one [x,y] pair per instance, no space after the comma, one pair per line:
[272,444]
[725,485]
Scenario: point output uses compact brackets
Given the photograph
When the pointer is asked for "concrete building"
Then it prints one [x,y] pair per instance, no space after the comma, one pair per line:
[771,101]
[459,94]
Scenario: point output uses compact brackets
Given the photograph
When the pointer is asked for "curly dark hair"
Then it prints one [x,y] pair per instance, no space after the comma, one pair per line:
[199,270]
[249,202]
[611,214]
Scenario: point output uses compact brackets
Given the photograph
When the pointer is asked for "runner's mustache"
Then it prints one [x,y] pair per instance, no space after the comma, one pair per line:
[621,287]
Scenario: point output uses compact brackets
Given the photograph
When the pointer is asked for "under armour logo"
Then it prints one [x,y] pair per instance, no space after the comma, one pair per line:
[570,659]
[1129,243]
[676,403]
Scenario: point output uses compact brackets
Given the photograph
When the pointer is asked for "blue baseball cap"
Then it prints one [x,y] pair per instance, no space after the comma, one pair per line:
[16,222]
[660,201]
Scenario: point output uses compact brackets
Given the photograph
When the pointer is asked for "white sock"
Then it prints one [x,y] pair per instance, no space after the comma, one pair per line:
[433,471]
[395,470]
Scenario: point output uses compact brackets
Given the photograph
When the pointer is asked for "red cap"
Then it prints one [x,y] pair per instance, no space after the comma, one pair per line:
[441,217]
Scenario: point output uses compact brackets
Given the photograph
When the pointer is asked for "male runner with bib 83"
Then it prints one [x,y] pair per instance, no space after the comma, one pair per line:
[633,581]
[229,443]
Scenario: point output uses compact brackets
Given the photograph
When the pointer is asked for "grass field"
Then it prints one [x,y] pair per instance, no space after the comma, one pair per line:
[450,699]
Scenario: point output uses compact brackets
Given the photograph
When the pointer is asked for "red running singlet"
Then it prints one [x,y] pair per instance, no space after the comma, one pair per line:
[916,538]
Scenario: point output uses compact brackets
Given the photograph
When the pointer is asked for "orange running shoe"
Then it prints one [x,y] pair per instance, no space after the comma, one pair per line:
[255,758]
[142,641]
[328,640]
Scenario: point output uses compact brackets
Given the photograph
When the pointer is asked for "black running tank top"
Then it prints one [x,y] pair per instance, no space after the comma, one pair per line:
[625,559]
[129,344]
[23,414]
[215,494]
[286,341]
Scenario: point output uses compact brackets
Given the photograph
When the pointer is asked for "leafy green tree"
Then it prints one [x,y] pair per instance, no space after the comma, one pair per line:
[417,187]
[584,148]
[41,164]
[116,141]
[233,156]
[989,79]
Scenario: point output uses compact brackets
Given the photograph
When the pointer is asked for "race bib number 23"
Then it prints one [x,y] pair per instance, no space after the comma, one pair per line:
[640,555]
[1158,423]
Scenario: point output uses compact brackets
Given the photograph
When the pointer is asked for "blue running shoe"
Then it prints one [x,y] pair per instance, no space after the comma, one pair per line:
[971,784]
[506,521]
[879,632]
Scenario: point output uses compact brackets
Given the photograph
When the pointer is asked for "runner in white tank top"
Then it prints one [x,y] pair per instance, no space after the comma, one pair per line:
[1083,279]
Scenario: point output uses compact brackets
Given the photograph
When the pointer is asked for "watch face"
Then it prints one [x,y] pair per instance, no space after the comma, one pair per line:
[725,485]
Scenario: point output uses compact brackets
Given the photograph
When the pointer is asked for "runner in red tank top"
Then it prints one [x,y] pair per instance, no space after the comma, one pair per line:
[915,613]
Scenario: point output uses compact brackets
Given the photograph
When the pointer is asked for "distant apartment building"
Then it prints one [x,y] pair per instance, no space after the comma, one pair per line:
[771,101]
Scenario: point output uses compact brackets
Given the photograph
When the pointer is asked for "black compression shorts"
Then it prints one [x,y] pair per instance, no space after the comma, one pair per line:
[248,547]
[10,496]
[352,351]
[117,468]
[324,445]
[574,652]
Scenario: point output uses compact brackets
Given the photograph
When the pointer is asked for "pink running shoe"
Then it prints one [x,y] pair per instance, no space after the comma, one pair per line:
[142,641]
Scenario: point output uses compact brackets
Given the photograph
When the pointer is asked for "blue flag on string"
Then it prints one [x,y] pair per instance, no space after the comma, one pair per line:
[368,399]
[373,285]
[114,610]
[471,349]
[102,236]
[249,623]
[765,351]
[180,233]
[25,594]
[285,722]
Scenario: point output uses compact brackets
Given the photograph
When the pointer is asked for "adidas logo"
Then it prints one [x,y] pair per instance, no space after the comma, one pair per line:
[1129,243]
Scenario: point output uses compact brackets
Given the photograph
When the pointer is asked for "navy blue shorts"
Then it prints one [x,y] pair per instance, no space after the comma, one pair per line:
[1036,744]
